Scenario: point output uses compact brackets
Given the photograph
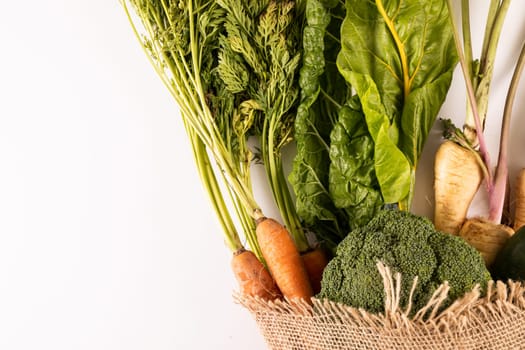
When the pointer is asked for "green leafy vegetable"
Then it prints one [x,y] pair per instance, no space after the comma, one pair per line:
[259,64]
[392,168]
[323,91]
[353,184]
[181,40]
[399,56]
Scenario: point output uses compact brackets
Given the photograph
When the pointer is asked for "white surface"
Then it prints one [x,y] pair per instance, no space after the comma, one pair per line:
[107,240]
[106,237]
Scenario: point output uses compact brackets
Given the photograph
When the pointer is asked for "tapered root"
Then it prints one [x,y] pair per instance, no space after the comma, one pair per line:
[253,278]
[283,260]
[457,177]
[487,237]
[314,262]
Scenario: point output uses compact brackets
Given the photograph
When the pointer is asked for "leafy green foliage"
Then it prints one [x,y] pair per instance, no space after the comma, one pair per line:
[352,180]
[399,55]
[408,244]
[316,116]
[391,166]
[259,59]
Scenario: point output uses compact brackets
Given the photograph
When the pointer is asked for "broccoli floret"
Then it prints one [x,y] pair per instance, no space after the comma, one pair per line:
[459,264]
[408,244]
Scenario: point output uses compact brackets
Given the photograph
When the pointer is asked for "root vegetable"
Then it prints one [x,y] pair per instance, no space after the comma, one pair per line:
[283,259]
[314,262]
[254,279]
[457,177]
[487,237]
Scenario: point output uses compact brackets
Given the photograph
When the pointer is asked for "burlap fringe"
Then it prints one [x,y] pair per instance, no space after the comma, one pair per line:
[493,321]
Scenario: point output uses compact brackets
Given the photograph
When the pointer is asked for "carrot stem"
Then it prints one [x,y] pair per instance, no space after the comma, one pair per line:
[272,161]
[211,186]
[185,85]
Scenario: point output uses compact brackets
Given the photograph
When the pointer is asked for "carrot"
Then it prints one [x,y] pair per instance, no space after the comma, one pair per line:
[254,279]
[315,261]
[283,259]
[519,210]
[457,177]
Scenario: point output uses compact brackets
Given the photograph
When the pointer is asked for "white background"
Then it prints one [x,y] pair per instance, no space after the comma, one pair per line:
[107,240]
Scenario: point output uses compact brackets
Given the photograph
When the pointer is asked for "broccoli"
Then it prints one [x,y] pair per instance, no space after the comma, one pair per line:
[408,244]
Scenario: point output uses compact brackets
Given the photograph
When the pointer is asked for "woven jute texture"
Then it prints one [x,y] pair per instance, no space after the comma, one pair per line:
[493,321]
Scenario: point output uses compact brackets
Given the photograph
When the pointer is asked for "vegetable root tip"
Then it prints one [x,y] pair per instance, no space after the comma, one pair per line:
[260,220]
[258,215]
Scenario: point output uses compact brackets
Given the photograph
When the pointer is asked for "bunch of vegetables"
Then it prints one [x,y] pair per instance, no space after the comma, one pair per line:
[463,162]
[231,67]
[357,85]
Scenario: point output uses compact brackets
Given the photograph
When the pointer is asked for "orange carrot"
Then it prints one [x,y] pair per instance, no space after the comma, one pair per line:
[519,211]
[314,262]
[254,279]
[457,177]
[283,259]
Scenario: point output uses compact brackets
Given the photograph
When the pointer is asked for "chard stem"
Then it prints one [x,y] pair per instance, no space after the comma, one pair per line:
[399,44]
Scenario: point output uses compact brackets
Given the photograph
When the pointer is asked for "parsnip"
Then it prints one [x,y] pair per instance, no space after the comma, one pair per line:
[457,177]
[487,237]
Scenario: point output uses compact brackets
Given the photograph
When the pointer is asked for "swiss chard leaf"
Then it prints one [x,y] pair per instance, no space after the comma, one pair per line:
[407,49]
[315,118]
[353,183]
[392,168]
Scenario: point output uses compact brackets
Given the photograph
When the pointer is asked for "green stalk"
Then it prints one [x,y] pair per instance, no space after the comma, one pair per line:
[290,212]
[467,36]
[482,78]
[489,24]
[488,56]
[179,69]
[471,99]
[272,161]
[211,186]
[187,91]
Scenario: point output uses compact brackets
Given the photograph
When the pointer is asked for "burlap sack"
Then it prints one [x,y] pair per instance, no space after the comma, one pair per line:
[493,321]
